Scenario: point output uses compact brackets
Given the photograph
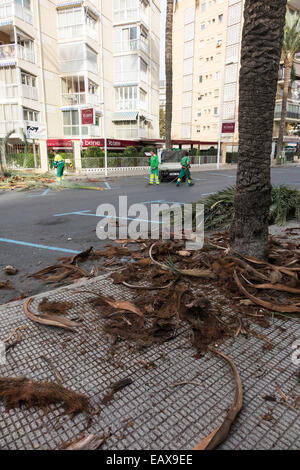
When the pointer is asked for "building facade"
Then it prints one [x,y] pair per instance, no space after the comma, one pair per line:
[206,61]
[79,71]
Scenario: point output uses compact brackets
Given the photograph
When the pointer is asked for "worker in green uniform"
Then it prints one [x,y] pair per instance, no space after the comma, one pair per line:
[185,171]
[59,164]
[154,162]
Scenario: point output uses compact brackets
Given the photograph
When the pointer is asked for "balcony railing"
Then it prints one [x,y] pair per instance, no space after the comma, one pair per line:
[29,92]
[130,14]
[8,92]
[75,31]
[11,92]
[16,51]
[73,99]
[86,131]
[131,45]
[289,114]
[9,8]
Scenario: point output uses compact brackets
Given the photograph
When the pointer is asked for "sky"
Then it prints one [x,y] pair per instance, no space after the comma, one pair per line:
[163,6]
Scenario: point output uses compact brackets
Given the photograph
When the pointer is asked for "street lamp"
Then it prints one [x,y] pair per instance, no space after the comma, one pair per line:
[104,135]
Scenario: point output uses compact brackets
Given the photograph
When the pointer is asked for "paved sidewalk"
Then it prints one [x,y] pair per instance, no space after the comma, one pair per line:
[150,413]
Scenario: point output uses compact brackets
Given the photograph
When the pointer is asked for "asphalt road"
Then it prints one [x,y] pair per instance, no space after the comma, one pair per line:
[58,221]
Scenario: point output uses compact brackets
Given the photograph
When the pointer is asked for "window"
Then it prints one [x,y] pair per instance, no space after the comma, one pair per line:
[126,68]
[217,76]
[28,79]
[125,39]
[216,94]
[199,113]
[220,18]
[126,129]
[215,111]
[201,44]
[30,115]
[71,122]
[200,78]
[143,100]
[125,10]
[202,26]
[70,23]
[203,7]
[76,57]
[126,98]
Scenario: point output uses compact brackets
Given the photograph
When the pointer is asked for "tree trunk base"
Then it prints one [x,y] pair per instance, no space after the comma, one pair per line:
[249,232]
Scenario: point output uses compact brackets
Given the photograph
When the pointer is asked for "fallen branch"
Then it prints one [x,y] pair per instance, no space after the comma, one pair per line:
[55,371]
[91,442]
[132,286]
[201,273]
[48,319]
[264,303]
[221,432]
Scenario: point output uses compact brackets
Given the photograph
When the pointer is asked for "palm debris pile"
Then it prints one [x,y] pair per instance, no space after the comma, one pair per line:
[174,291]
[16,392]
[23,181]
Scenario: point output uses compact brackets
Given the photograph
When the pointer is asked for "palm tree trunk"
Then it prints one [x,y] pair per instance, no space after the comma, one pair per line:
[1,168]
[169,72]
[286,86]
[260,55]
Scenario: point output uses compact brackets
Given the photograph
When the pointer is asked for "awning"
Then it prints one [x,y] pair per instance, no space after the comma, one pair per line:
[69,4]
[125,116]
[7,63]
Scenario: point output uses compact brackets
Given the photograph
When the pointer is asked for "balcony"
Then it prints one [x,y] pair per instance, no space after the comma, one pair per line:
[131,45]
[9,92]
[74,99]
[9,8]
[77,31]
[133,11]
[289,115]
[14,52]
[86,131]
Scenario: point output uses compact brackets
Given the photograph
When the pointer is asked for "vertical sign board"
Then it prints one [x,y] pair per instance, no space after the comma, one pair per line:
[87,116]
[228,127]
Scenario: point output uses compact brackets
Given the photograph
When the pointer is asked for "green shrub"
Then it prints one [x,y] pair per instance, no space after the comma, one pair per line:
[22,160]
[130,152]
[219,207]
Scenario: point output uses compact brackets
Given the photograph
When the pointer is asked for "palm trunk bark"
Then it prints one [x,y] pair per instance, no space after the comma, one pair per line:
[169,72]
[286,86]
[260,55]
[1,168]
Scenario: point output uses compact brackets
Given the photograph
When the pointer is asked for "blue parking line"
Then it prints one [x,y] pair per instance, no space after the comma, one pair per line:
[220,174]
[107,185]
[40,195]
[35,245]
[150,202]
[107,217]
[71,213]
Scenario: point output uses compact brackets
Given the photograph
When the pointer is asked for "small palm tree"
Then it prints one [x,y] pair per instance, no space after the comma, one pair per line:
[3,152]
[291,45]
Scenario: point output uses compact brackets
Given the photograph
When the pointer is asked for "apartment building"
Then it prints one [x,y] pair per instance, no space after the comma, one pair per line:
[74,72]
[206,60]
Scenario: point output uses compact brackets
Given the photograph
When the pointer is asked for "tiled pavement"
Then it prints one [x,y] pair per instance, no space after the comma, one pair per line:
[150,413]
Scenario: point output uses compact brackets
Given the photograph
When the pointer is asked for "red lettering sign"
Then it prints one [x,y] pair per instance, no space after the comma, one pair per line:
[228,127]
[59,143]
[87,116]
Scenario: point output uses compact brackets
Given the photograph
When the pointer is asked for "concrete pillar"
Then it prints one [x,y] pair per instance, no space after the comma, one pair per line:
[223,151]
[77,155]
[44,155]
